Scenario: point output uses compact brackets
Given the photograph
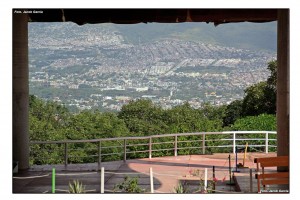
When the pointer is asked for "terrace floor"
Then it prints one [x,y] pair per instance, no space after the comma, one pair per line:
[167,173]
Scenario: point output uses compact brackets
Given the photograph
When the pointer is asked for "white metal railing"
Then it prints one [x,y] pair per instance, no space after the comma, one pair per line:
[202,141]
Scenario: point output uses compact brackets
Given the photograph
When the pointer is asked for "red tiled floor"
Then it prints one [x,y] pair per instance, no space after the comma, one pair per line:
[167,172]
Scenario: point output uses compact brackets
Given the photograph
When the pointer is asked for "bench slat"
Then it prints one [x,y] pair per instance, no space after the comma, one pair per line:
[275,182]
[271,159]
[275,163]
[268,159]
[274,175]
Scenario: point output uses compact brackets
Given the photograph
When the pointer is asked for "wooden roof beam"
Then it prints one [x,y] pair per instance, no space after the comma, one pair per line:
[132,16]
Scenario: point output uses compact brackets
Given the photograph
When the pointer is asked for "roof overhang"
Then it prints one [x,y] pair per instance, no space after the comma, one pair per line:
[132,16]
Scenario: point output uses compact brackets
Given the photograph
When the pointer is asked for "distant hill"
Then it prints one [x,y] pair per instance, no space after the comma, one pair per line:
[252,36]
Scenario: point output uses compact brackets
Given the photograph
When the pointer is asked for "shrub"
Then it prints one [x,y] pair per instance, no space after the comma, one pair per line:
[181,188]
[129,185]
[76,187]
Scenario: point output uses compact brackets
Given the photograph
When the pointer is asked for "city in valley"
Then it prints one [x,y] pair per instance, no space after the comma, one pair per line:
[98,67]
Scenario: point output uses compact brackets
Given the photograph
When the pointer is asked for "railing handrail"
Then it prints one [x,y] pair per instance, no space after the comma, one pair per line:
[150,136]
[175,148]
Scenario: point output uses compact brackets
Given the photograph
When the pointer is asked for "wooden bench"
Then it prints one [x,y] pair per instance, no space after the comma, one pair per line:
[271,177]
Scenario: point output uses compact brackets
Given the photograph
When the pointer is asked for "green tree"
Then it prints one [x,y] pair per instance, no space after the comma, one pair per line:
[254,102]
[258,123]
[261,97]
[213,112]
[271,90]
[47,122]
[142,117]
[183,118]
[272,79]
[46,119]
[233,112]
[262,122]
[94,125]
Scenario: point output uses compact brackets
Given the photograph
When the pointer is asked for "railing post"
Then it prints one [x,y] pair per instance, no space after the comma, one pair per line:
[53,180]
[99,155]
[175,148]
[229,168]
[251,181]
[233,146]
[267,143]
[124,159]
[150,147]
[203,143]
[102,181]
[66,154]
[205,179]
[151,181]
[214,180]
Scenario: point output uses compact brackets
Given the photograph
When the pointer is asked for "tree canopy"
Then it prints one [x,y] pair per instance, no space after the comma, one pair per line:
[261,97]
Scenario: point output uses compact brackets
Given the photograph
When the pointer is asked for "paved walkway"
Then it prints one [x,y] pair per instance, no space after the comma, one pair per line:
[167,172]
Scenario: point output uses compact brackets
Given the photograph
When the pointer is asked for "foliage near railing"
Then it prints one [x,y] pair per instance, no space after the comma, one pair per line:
[53,123]
[123,148]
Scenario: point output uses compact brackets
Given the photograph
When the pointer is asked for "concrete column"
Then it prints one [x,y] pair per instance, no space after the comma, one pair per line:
[20,91]
[283,82]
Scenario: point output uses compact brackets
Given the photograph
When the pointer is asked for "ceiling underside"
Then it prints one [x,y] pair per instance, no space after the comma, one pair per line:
[132,16]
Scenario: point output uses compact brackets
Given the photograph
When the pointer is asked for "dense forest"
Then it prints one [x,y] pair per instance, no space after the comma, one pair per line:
[50,121]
